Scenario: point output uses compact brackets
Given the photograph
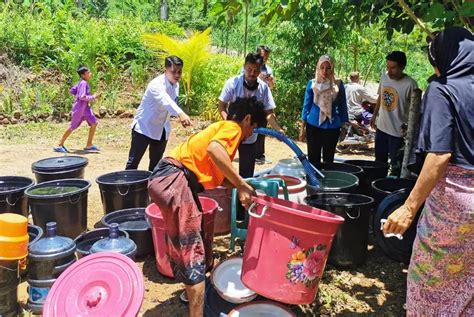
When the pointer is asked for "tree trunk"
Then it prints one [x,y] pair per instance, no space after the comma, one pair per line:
[412,131]
[204,8]
[247,3]
[164,10]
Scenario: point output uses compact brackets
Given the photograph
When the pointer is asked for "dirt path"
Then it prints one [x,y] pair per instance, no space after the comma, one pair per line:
[376,288]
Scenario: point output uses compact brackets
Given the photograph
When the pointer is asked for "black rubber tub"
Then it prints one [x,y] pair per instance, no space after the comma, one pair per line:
[9,281]
[35,233]
[135,223]
[340,167]
[85,240]
[398,250]
[372,170]
[123,190]
[335,181]
[12,194]
[62,201]
[349,247]
[64,167]
[383,187]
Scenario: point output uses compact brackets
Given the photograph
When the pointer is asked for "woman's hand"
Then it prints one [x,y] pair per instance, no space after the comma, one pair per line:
[399,221]
[302,135]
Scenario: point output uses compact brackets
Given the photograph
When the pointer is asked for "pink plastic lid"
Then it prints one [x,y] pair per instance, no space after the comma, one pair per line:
[101,284]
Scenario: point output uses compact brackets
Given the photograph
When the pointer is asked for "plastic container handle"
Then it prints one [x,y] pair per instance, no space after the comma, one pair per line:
[120,193]
[356,217]
[253,214]
[9,203]
[389,235]
[74,201]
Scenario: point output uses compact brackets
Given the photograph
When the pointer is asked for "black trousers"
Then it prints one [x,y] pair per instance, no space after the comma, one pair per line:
[260,146]
[387,146]
[321,140]
[138,147]
[247,157]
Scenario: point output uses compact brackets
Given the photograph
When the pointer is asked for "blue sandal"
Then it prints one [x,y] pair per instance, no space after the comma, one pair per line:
[60,149]
[92,148]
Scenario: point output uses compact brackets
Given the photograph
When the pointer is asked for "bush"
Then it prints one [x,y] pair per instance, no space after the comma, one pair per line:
[213,76]
[62,40]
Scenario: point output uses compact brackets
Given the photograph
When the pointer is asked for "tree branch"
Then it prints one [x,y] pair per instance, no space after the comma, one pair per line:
[464,21]
[412,15]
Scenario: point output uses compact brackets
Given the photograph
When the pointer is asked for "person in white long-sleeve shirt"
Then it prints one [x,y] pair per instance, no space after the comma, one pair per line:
[151,125]
[356,94]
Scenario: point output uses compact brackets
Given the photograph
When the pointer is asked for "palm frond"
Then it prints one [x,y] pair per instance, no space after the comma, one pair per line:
[194,51]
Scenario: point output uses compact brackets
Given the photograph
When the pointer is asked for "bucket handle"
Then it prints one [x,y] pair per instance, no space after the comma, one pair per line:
[71,199]
[123,194]
[9,203]
[220,209]
[253,214]
[353,218]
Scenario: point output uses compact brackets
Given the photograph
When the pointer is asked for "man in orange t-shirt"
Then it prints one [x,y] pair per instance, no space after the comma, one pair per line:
[203,161]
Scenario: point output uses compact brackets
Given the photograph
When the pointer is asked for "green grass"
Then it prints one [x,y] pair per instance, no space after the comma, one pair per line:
[113,133]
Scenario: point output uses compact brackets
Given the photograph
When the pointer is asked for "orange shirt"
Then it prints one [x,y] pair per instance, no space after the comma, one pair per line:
[193,152]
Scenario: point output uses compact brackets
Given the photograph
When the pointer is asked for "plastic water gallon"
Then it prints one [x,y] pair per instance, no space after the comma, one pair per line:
[48,258]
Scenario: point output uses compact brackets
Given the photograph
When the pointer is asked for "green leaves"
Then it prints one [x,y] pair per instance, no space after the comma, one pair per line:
[193,50]
[466,9]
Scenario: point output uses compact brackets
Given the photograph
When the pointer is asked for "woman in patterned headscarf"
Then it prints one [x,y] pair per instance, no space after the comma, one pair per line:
[440,278]
[324,111]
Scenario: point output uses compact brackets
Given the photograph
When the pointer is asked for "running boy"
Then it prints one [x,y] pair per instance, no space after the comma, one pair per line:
[81,111]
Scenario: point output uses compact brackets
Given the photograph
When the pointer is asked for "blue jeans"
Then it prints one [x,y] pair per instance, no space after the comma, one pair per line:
[387,146]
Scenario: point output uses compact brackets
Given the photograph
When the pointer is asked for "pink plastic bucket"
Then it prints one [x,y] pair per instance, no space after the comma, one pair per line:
[209,207]
[222,196]
[286,249]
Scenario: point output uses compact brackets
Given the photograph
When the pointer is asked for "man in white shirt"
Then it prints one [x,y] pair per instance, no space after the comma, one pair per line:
[391,112]
[356,94]
[245,86]
[151,125]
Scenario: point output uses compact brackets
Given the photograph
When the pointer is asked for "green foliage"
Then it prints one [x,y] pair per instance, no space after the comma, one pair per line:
[288,95]
[59,35]
[63,39]
[194,51]
[219,68]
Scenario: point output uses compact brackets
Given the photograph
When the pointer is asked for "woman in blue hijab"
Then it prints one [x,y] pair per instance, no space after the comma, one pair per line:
[440,278]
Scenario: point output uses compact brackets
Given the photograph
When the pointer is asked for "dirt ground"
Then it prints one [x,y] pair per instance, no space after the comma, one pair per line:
[376,288]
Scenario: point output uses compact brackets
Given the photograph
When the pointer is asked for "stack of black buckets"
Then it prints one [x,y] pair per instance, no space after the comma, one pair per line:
[58,207]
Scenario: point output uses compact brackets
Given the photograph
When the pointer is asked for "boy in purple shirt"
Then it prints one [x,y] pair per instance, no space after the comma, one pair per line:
[81,111]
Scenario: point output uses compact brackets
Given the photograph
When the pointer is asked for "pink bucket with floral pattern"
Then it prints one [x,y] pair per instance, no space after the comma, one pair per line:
[286,249]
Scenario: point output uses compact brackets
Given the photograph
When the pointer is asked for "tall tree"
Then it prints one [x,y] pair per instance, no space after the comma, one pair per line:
[164,10]
[225,8]
[400,15]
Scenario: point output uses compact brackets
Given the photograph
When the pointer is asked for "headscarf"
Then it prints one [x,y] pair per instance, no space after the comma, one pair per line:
[448,109]
[325,90]
[451,52]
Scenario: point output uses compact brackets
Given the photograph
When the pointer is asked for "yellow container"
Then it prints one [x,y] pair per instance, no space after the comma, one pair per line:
[13,236]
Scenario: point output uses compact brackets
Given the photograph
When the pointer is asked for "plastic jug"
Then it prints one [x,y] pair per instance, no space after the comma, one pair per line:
[115,243]
[48,258]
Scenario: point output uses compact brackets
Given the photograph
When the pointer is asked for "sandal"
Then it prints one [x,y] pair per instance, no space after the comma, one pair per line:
[60,149]
[92,148]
